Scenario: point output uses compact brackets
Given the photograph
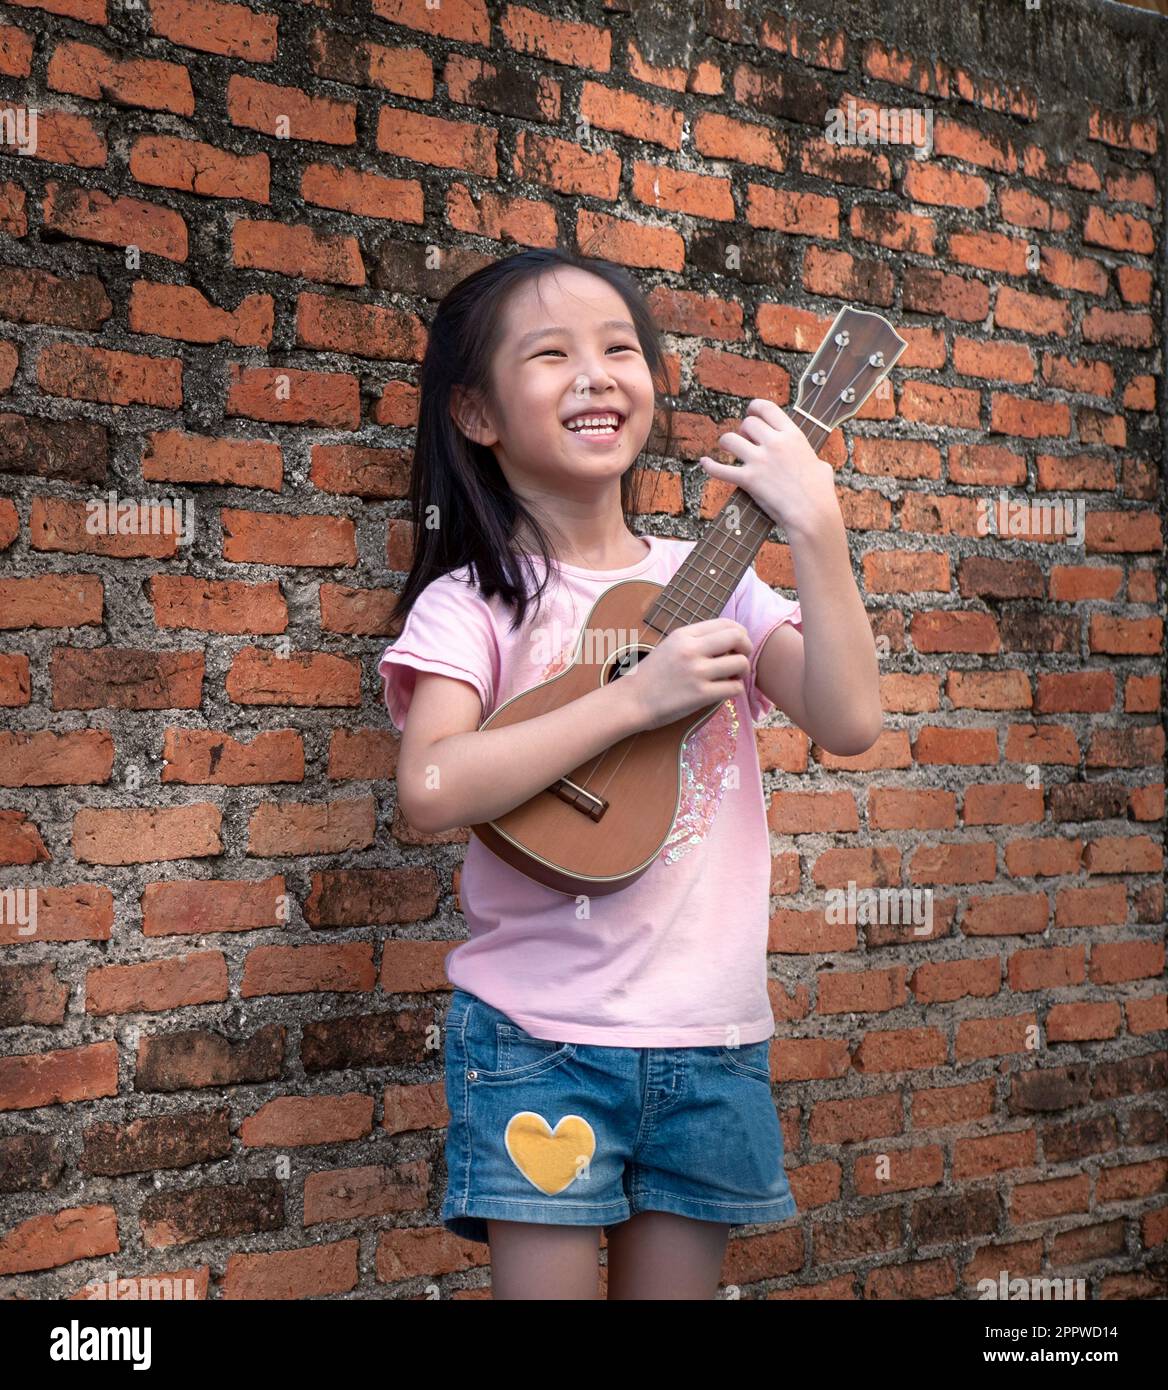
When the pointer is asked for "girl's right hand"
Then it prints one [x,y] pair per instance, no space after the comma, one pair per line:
[691,668]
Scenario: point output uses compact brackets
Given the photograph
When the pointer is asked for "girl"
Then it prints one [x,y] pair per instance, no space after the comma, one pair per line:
[607,1059]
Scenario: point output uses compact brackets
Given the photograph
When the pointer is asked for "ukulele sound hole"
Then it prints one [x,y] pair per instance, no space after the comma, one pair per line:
[623,662]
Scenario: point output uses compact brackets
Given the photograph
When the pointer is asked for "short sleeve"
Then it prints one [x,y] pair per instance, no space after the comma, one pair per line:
[448,631]
[760,610]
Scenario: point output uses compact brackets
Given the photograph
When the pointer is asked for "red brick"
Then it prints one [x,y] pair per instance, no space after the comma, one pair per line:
[259,677]
[722,137]
[174,457]
[203,757]
[36,296]
[61,136]
[118,678]
[87,71]
[557,40]
[626,113]
[30,1081]
[331,827]
[345,967]
[291,396]
[677,190]
[157,985]
[889,226]
[181,312]
[257,538]
[334,258]
[145,836]
[196,907]
[208,605]
[1123,132]
[59,1237]
[51,600]
[799,214]
[630,243]
[62,524]
[16,50]
[434,141]
[231,31]
[90,215]
[928,183]
[1117,328]
[370,195]
[288,113]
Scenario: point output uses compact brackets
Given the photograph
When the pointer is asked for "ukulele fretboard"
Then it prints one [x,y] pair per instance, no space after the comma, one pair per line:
[709,574]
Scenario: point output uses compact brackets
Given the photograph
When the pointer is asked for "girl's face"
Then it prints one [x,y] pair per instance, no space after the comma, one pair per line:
[568,350]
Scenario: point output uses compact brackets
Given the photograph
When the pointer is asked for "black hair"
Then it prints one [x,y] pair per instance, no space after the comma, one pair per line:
[459,481]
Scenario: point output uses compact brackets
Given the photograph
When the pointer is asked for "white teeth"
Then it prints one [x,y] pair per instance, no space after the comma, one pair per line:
[599,424]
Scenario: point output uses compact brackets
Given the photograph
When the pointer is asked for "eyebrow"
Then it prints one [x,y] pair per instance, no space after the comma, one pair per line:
[536,334]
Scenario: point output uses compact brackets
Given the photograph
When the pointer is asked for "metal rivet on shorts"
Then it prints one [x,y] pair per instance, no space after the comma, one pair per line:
[472,1076]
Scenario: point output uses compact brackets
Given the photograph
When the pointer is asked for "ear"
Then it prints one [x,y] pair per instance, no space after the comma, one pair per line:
[469,413]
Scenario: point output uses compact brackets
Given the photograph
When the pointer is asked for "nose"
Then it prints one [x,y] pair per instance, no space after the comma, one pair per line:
[595,381]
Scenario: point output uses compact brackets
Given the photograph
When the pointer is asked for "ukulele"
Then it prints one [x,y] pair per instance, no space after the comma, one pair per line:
[601,826]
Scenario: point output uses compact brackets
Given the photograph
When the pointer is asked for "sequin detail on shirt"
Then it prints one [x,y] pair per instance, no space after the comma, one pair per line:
[707,756]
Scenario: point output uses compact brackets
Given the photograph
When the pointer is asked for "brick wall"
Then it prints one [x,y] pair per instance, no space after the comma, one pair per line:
[218,262]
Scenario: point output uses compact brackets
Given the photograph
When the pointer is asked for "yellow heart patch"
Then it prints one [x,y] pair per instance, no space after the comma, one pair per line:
[549,1159]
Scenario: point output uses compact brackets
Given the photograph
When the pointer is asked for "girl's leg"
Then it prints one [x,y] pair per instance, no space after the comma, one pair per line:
[533,1261]
[656,1254]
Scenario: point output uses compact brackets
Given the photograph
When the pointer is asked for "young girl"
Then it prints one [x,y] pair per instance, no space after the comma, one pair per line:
[607,1058]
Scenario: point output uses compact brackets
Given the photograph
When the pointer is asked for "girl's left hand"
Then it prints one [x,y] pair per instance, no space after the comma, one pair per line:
[779,468]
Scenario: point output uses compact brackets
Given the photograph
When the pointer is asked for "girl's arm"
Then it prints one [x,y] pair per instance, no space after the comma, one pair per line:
[451,774]
[826,679]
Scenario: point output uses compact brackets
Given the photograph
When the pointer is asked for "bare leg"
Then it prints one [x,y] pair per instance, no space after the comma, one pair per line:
[656,1254]
[533,1261]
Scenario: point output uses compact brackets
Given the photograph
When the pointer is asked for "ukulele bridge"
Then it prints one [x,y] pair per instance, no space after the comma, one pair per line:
[579,798]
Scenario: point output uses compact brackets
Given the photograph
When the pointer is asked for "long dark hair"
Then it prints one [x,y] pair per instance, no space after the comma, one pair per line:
[477,512]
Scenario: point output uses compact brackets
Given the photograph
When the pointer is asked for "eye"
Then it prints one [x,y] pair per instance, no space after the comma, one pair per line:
[616,347]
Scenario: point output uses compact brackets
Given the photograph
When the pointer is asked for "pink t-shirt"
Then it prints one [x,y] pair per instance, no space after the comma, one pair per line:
[676,959]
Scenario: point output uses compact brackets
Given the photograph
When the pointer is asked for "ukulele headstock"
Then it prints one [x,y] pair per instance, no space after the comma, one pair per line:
[854,358]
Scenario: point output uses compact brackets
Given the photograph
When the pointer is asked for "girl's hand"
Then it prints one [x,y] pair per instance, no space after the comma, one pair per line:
[779,468]
[690,668]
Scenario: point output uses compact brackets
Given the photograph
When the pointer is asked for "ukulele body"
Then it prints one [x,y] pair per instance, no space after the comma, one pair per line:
[601,826]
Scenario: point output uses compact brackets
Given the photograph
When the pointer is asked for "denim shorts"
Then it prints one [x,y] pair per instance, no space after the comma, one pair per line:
[572,1134]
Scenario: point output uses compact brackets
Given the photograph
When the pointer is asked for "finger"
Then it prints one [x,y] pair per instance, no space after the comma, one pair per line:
[728,667]
[723,472]
[773,414]
[738,445]
[756,428]
[726,636]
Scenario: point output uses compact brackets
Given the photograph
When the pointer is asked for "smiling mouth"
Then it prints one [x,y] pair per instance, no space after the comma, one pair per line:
[604,431]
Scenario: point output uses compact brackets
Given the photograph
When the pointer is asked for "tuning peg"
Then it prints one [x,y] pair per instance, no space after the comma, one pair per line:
[848,394]
[842,338]
[876,360]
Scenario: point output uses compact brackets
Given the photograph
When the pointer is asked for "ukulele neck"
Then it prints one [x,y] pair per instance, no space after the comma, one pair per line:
[709,574]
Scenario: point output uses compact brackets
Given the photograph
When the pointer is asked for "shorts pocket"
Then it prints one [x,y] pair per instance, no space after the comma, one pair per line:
[749,1059]
[498,1049]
